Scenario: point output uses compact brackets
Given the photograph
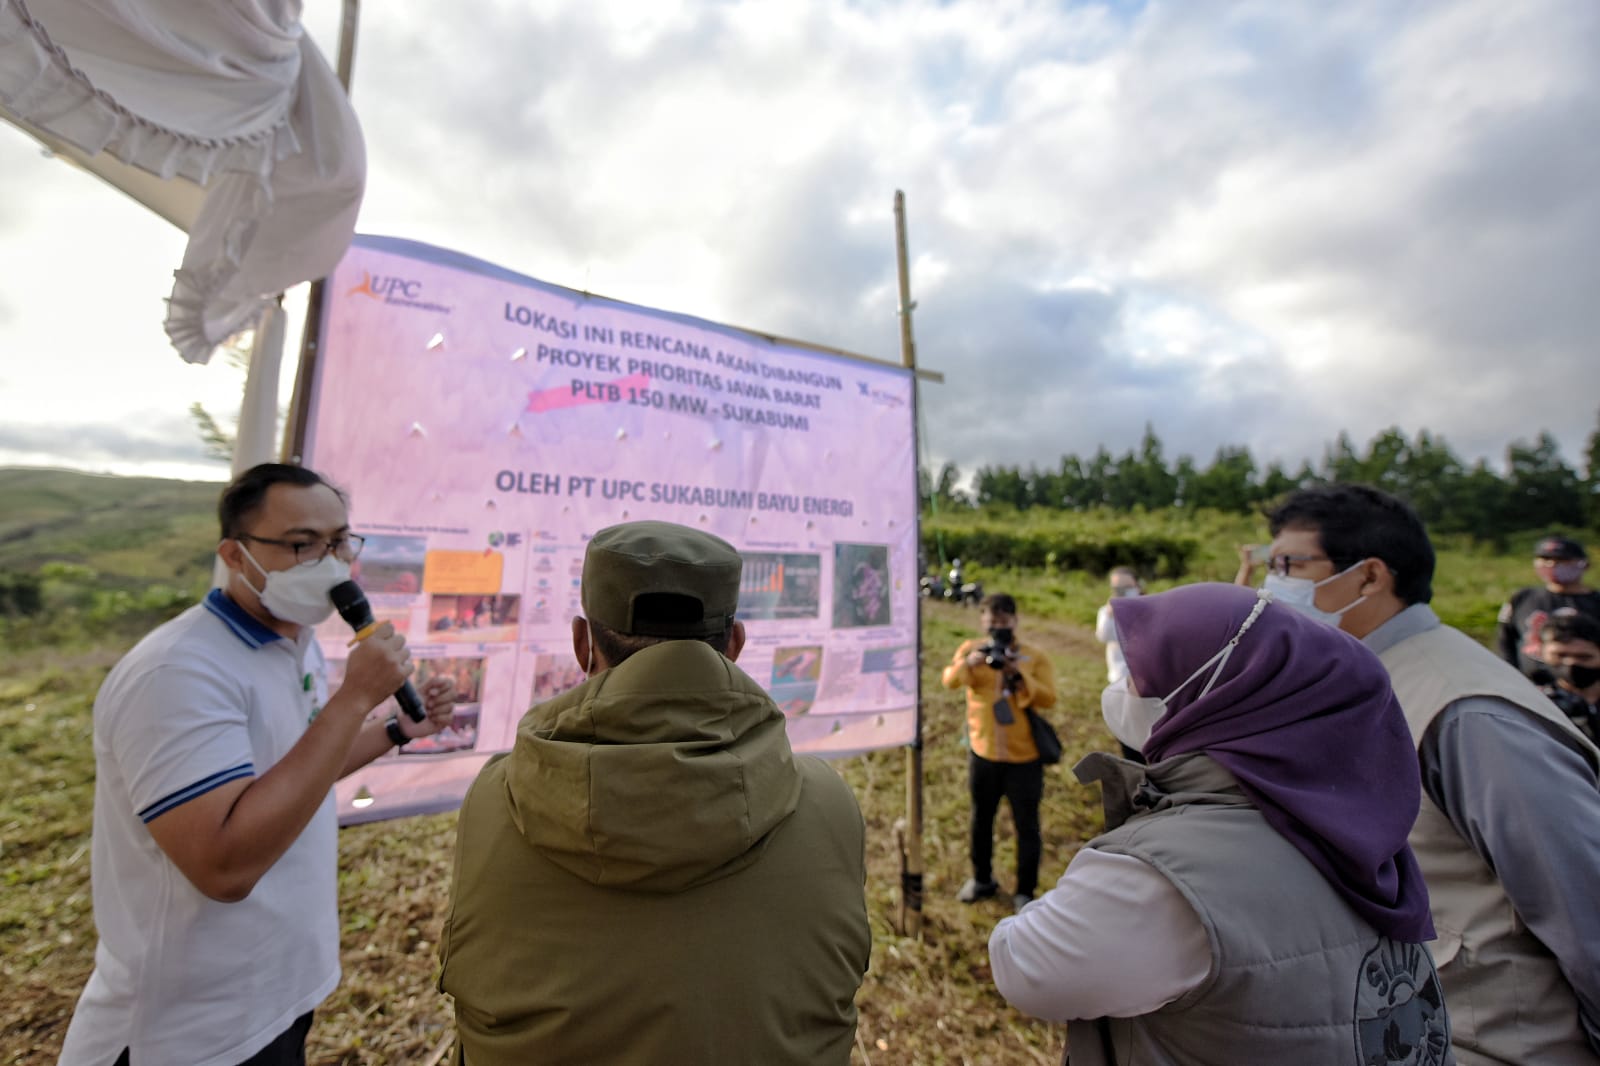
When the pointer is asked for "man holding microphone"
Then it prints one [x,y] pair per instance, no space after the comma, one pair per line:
[216,750]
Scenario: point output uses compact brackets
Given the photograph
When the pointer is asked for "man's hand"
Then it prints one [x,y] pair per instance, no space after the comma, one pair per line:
[439,700]
[377,666]
[976,658]
[1250,557]
[224,840]
[1011,677]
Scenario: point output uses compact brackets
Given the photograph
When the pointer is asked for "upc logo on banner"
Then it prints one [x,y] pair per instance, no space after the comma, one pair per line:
[509,540]
[394,290]
[382,288]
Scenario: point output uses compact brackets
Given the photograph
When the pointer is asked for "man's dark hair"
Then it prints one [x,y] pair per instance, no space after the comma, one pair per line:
[244,495]
[615,647]
[1567,625]
[999,603]
[1356,522]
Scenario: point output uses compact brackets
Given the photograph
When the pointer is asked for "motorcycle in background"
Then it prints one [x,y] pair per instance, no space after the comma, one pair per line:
[955,589]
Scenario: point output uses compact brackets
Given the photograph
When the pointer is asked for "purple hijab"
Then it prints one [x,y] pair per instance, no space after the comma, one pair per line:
[1304,718]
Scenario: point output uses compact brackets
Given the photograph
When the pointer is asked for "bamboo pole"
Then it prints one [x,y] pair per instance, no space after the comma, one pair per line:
[911,840]
[294,434]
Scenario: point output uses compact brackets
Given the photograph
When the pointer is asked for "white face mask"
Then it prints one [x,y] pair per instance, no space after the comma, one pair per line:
[1131,717]
[588,671]
[1125,590]
[300,593]
[1300,593]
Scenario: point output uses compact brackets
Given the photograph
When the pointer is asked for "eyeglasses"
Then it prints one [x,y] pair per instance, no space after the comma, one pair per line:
[1280,564]
[311,552]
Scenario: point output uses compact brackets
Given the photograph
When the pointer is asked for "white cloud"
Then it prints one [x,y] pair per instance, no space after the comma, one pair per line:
[1253,222]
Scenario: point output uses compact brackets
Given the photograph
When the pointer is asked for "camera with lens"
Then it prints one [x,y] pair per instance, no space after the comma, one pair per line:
[1573,705]
[994,655]
[997,653]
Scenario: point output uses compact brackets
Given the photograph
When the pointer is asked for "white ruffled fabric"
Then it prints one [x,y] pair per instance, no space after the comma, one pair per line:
[231,96]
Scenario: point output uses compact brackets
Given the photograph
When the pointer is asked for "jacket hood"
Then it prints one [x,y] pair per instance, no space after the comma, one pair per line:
[1130,788]
[662,773]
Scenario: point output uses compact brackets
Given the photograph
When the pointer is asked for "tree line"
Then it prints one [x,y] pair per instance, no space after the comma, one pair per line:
[1538,489]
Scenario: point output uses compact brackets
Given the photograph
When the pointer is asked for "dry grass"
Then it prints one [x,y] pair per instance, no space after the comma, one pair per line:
[927,1001]
[924,1001]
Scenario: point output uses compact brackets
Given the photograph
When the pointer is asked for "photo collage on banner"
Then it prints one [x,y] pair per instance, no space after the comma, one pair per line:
[485,425]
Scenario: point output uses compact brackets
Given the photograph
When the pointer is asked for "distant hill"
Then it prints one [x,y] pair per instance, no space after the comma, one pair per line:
[131,531]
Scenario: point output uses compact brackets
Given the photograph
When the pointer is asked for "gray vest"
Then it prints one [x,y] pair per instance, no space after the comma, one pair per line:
[1509,1000]
[1296,975]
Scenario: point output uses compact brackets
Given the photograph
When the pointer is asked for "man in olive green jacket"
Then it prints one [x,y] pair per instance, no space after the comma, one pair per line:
[650,875]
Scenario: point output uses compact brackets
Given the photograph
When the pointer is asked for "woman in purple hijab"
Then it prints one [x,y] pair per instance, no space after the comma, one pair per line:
[1253,899]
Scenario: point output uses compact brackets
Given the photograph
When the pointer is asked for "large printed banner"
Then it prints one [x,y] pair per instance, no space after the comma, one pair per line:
[486,425]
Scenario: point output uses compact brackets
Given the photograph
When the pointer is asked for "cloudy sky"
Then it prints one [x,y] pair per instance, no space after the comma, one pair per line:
[1246,223]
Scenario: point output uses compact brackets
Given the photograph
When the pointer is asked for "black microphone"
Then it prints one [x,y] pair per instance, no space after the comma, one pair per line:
[352,605]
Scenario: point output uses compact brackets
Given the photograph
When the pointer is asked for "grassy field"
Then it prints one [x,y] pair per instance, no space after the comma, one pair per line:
[123,553]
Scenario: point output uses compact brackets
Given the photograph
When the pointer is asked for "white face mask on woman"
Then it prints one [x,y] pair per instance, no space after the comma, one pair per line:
[300,593]
[1300,593]
[1132,717]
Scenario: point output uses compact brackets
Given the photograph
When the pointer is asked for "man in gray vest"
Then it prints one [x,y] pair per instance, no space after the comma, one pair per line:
[1509,833]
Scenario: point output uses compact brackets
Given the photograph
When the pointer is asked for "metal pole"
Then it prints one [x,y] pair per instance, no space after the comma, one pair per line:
[348,24]
[911,845]
[294,435]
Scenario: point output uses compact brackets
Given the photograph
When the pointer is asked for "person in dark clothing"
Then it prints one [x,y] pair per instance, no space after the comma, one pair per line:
[1571,648]
[1560,563]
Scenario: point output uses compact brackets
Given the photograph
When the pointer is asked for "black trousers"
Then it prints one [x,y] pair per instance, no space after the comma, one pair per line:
[1022,785]
[288,1048]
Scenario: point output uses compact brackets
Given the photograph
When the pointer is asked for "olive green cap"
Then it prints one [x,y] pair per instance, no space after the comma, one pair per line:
[627,566]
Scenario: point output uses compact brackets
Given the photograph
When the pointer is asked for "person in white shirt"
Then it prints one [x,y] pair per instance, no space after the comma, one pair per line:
[216,747]
[1124,583]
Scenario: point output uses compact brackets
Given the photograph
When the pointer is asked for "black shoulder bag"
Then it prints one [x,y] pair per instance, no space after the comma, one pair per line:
[1045,739]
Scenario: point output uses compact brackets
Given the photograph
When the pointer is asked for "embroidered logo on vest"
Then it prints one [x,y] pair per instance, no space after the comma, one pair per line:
[1400,1018]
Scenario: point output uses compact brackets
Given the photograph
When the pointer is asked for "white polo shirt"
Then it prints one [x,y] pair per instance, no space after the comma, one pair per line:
[210,697]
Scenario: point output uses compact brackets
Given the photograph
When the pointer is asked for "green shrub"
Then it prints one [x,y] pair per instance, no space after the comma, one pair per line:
[1056,541]
[20,594]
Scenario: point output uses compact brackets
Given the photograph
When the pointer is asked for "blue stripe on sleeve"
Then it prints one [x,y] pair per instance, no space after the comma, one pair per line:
[199,788]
